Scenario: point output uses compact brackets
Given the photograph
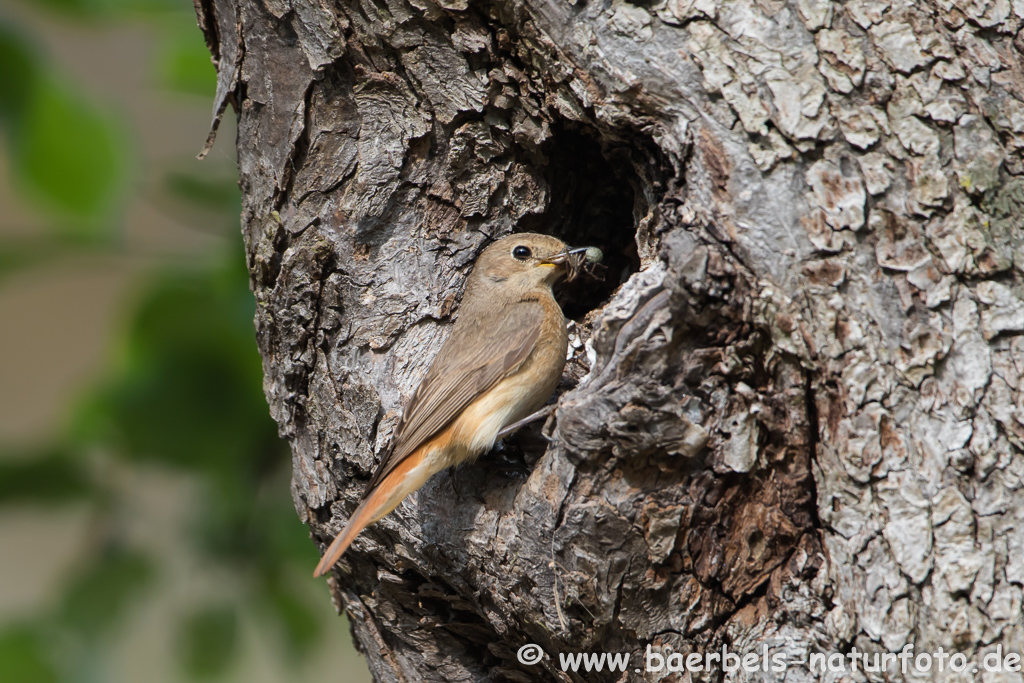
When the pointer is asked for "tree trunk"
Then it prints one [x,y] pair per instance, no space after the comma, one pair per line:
[793,413]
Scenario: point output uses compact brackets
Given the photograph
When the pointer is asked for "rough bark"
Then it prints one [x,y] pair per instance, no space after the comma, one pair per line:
[793,414]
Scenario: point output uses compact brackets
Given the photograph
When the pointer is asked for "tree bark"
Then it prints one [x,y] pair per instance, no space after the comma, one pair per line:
[793,413]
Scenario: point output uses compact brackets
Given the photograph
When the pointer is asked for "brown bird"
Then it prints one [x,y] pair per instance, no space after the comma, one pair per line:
[501,362]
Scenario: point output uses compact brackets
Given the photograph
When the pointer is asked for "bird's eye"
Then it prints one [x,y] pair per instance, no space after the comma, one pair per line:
[522,253]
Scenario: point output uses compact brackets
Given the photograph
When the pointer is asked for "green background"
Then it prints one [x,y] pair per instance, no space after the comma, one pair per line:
[146,527]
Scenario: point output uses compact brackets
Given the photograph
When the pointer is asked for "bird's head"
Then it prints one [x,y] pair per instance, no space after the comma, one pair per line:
[528,260]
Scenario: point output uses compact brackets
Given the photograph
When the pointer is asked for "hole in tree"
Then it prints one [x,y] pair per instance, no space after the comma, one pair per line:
[592,201]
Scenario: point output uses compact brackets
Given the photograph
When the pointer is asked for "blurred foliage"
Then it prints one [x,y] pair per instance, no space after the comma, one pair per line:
[189,393]
[24,657]
[117,9]
[67,151]
[63,151]
[185,393]
[185,63]
[207,641]
[18,254]
[97,597]
[46,477]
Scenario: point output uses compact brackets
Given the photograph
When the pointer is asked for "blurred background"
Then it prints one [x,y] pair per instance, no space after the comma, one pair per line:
[146,527]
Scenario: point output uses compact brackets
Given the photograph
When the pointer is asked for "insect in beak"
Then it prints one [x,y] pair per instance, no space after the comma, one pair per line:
[575,259]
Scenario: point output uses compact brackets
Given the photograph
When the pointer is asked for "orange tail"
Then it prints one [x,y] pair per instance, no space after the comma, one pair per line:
[411,474]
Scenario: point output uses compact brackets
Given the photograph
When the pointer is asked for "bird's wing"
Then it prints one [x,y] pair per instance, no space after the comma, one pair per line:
[477,355]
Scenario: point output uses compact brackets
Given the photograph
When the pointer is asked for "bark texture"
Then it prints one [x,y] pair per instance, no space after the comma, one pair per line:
[794,412]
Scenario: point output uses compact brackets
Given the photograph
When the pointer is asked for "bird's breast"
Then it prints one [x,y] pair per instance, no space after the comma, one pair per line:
[517,395]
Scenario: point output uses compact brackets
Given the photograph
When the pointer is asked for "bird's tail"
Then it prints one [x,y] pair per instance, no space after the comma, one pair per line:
[408,476]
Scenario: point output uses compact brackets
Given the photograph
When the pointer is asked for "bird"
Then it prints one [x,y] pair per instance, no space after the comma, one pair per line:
[501,362]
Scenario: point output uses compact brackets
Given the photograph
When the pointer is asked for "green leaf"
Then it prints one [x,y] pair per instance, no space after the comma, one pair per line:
[97,599]
[47,478]
[67,155]
[18,73]
[302,629]
[189,395]
[190,392]
[185,64]
[23,657]
[207,642]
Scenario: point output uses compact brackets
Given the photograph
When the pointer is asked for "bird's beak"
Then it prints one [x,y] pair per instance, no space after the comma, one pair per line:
[563,256]
[574,260]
